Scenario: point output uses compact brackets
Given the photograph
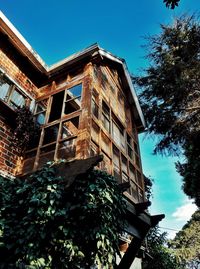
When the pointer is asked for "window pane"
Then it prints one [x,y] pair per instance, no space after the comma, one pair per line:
[130,153]
[56,107]
[124,164]
[95,132]
[40,118]
[132,172]
[105,109]
[4,87]
[105,144]
[134,191]
[17,99]
[118,135]
[50,134]
[75,91]
[94,149]
[70,128]
[95,109]
[41,106]
[71,105]
[106,123]
[67,149]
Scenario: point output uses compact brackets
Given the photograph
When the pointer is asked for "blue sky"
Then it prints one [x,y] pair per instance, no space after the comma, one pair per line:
[56,29]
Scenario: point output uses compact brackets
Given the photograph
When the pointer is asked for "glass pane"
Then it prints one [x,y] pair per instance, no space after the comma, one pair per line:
[141,195]
[116,159]
[117,174]
[118,135]
[41,106]
[75,91]
[67,149]
[4,87]
[105,144]
[95,109]
[94,149]
[106,164]
[56,107]
[95,132]
[137,160]
[17,99]
[47,149]
[105,109]
[50,134]
[130,152]
[124,164]
[106,122]
[40,118]
[70,128]
[139,178]
[125,177]
[132,172]
[134,192]
[71,105]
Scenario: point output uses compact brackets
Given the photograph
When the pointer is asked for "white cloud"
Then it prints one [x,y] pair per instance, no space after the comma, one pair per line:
[184,212]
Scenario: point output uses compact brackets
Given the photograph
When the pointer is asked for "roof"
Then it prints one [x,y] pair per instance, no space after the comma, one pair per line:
[25,49]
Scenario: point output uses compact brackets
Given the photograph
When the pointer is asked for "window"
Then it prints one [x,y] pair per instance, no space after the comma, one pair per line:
[73,99]
[118,133]
[40,111]
[116,164]
[95,106]
[106,116]
[129,146]
[105,143]
[59,127]
[10,94]
[95,131]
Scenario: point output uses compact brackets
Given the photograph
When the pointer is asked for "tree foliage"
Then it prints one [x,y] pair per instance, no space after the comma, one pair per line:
[161,257]
[26,132]
[170,94]
[171,3]
[186,244]
[46,225]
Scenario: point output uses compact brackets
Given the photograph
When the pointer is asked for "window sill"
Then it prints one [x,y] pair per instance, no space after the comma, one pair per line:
[7,113]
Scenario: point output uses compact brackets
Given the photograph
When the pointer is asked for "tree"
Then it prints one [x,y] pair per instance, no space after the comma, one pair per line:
[171,3]
[186,244]
[46,225]
[170,95]
[160,256]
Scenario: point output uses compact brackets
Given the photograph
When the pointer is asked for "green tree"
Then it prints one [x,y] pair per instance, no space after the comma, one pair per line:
[171,3]
[170,95]
[186,244]
[46,225]
[160,256]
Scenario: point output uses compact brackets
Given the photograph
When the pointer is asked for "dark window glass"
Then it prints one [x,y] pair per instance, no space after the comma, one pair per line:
[67,149]
[50,134]
[56,106]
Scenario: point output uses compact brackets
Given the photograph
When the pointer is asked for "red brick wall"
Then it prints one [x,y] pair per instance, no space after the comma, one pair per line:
[9,161]
[8,155]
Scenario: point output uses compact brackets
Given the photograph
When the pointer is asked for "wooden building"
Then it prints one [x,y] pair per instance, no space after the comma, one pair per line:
[85,105]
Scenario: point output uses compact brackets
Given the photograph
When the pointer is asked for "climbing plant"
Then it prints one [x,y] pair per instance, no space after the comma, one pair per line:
[46,225]
[26,132]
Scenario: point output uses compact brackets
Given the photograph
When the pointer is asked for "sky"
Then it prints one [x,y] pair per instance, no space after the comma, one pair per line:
[57,29]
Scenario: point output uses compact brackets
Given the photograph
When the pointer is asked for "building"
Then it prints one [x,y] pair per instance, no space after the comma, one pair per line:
[85,105]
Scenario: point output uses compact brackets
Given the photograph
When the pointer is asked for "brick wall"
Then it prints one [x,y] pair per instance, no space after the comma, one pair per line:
[8,155]
[9,160]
